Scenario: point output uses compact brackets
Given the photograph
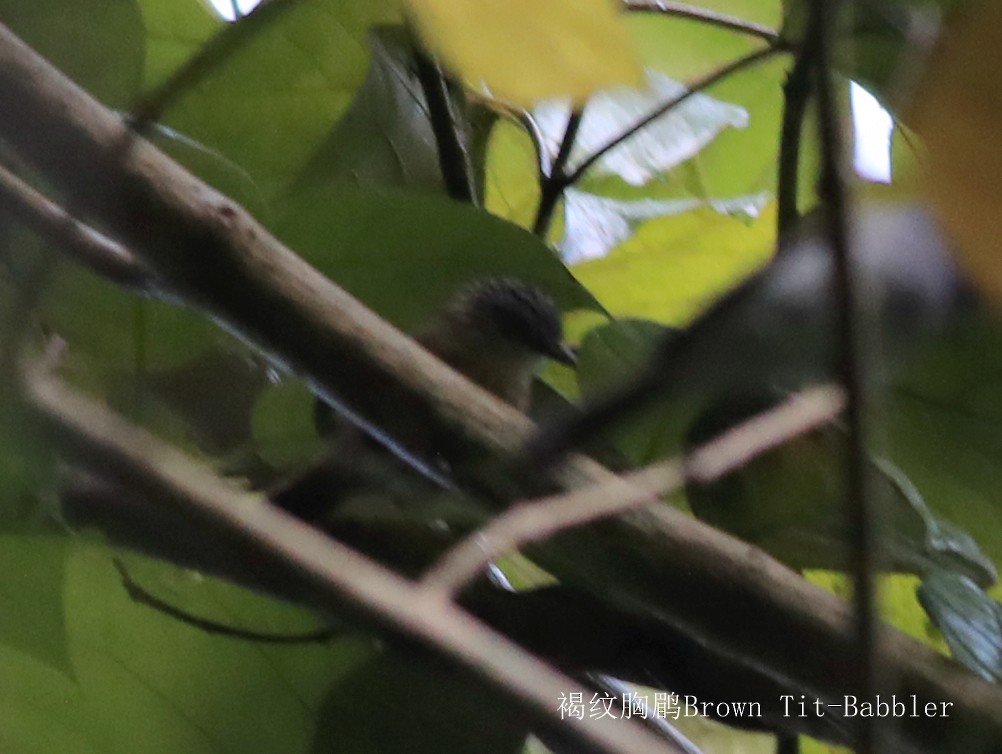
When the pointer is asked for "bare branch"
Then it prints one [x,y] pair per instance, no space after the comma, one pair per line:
[695,13]
[537,520]
[93,249]
[861,511]
[326,574]
[796,95]
[453,160]
[707,81]
[553,184]
[673,568]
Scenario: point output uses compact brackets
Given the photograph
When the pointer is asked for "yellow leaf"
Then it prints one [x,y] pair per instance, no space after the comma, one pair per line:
[527,50]
[675,266]
[958,113]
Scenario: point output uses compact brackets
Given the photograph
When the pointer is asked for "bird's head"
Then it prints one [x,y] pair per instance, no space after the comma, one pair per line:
[509,315]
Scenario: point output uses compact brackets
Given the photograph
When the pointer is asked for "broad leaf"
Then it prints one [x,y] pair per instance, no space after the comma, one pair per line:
[385,138]
[149,677]
[269,106]
[376,245]
[524,51]
[970,620]
[668,141]
[100,44]
[31,605]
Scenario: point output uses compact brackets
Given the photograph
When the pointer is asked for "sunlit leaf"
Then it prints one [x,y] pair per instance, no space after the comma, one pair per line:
[595,224]
[526,51]
[670,140]
[674,266]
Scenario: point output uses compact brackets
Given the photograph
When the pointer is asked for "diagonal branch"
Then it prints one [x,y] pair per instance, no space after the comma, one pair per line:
[453,160]
[797,91]
[537,520]
[553,184]
[667,566]
[322,572]
[89,247]
[703,15]
[745,61]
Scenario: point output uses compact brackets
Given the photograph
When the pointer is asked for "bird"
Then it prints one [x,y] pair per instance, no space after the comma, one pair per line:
[778,329]
[498,332]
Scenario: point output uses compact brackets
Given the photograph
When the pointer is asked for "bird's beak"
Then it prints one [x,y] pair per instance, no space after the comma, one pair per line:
[565,354]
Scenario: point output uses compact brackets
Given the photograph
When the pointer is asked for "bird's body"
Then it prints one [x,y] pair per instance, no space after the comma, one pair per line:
[497,332]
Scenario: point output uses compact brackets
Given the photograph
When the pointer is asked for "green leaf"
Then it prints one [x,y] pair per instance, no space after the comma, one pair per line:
[175,30]
[26,474]
[113,336]
[685,48]
[609,357]
[100,44]
[595,224]
[385,138]
[269,106]
[31,604]
[282,423]
[674,266]
[970,620]
[944,426]
[738,161]
[512,188]
[670,140]
[212,395]
[524,52]
[378,245]
[151,678]
[43,710]
[212,167]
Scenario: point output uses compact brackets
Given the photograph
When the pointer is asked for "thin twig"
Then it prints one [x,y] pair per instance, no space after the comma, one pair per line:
[537,520]
[141,596]
[525,119]
[712,18]
[552,185]
[453,159]
[328,575]
[88,246]
[797,91]
[860,506]
[745,61]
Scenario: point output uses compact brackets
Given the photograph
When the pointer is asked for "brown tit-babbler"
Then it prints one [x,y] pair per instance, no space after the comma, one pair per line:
[498,332]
